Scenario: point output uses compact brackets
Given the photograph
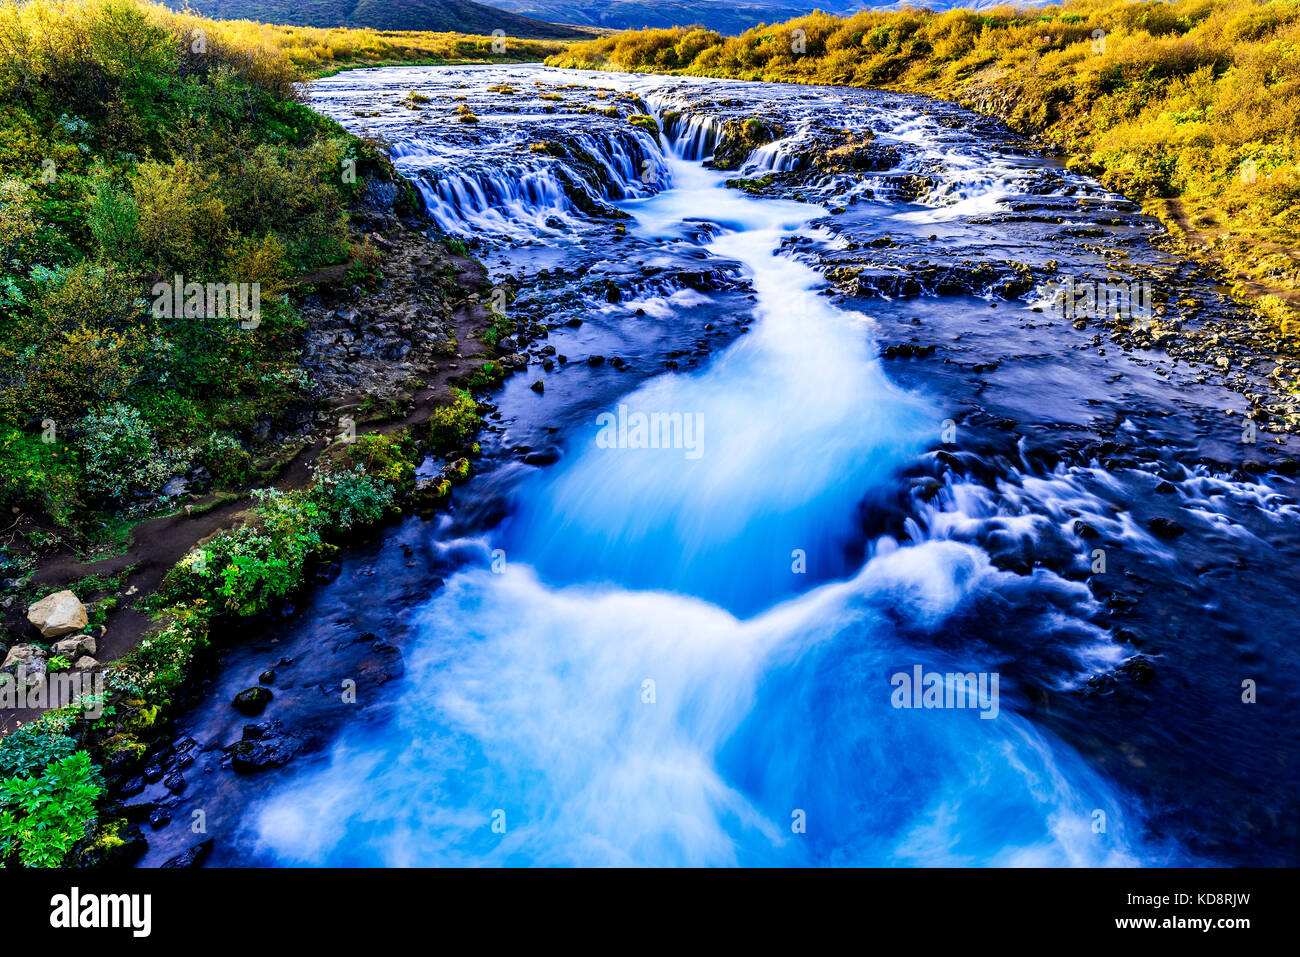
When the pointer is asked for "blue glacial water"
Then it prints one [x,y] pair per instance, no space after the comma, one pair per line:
[647,680]
[687,654]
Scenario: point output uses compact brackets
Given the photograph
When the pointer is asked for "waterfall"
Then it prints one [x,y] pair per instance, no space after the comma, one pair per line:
[675,657]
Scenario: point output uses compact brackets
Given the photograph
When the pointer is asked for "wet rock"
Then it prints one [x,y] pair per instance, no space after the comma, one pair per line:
[1165,528]
[263,746]
[856,153]
[59,614]
[1138,669]
[267,677]
[907,350]
[252,701]
[194,857]
[542,457]
[739,138]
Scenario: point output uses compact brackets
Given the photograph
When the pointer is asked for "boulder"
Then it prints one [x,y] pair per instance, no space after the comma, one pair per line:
[252,700]
[85,663]
[24,658]
[57,615]
[263,746]
[74,647]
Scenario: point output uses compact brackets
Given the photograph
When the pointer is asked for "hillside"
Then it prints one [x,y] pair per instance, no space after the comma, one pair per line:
[435,16]
[727,18]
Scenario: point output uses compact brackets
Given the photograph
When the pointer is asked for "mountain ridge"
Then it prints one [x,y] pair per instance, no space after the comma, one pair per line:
[437,16]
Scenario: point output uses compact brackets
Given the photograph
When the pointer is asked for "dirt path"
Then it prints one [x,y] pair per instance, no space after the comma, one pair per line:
[1173,212]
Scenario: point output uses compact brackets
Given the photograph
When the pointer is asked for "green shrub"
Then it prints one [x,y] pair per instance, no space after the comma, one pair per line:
[161,660]
[351,498]
[119,457]
[228,462]
[42,818]
[450,426]
[38,475]
[30,749]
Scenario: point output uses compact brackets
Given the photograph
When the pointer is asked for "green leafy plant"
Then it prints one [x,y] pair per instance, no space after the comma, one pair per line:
[27,750]
[42,818]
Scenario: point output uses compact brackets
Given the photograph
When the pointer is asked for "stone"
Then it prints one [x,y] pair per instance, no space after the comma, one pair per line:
[24,658]
[1165,528]
[74,647]
[262,747]
[194,857]
[85,663]
[252,700]
[57,615]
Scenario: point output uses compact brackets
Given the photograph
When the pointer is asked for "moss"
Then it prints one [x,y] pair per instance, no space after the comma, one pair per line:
[756,185]
[645,122]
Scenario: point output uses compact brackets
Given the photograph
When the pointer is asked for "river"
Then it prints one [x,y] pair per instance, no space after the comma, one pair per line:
[702,653]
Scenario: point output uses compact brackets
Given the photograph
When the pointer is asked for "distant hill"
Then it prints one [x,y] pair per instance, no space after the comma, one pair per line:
[725,16]
[459,16]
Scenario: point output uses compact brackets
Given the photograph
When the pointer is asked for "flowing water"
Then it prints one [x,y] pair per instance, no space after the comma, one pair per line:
[687,654]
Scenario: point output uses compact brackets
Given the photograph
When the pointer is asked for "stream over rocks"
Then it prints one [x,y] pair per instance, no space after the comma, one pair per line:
[803,442]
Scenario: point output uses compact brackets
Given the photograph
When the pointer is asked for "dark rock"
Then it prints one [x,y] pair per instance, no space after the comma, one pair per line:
[1138,669]
[542,457]
[1165,528]
[264,746]
[194,857]
[252,701]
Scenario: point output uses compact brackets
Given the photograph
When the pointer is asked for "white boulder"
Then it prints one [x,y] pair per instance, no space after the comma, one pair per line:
[57,615]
